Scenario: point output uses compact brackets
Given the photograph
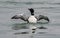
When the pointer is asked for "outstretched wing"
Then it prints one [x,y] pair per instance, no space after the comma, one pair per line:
[19,16]
[42,17]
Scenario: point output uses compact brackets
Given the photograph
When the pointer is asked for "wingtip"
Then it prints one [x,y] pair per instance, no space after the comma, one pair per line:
[12,17]
[48,19]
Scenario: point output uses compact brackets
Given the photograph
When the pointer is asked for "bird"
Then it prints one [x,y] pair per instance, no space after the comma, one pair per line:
[32,18]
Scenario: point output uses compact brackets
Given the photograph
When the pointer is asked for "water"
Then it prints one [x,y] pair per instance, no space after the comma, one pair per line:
[11,28]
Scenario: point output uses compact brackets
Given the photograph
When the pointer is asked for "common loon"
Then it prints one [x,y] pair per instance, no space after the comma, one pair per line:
[32,18]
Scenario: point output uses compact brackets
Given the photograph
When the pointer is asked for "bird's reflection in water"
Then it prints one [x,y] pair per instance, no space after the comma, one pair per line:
[20,26]
[42,32]
[25,26]
[21,33]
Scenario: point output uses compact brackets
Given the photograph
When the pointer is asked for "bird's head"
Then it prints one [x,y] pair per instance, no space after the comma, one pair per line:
[31,10]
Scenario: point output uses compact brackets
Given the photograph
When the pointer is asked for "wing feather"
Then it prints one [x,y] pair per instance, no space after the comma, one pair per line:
[22,17]
[42,17]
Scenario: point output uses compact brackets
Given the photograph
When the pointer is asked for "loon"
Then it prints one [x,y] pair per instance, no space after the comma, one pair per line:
[32,18]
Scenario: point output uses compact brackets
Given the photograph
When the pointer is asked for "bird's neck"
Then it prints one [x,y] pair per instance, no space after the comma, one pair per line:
[32,13]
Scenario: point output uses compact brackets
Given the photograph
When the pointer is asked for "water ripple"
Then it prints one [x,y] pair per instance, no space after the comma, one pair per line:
[13,2]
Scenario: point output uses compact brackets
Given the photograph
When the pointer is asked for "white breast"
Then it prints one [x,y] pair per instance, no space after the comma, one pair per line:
[32,19]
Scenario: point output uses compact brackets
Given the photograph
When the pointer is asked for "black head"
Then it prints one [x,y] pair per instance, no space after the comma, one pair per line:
[32,11]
